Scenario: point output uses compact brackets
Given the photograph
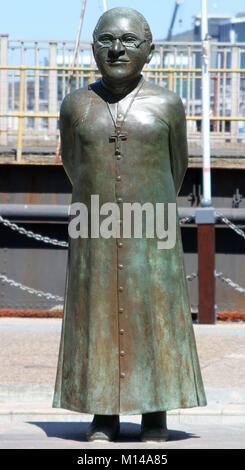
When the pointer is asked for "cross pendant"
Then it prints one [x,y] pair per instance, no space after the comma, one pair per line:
[118,137]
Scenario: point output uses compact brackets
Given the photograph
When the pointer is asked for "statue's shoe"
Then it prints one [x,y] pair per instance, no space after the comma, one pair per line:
[103,428]
[154,427]
[154,434]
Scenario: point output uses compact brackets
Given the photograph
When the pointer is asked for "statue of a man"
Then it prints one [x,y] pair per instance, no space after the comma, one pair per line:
[127,343]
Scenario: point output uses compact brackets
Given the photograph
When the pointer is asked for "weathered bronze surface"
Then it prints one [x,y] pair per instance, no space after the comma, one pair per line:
[127,344]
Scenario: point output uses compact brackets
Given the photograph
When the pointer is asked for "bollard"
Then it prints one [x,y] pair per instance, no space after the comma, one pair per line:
[205,220]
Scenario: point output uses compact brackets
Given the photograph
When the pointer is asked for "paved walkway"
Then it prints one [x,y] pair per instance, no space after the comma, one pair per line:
[28,360]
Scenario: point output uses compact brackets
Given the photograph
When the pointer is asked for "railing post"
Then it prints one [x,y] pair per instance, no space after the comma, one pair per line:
[205,220]
[4,89]
[235,89]
[170,79]
[52,88]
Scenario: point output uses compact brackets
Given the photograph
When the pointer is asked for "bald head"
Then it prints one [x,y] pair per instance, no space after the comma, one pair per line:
[126,12]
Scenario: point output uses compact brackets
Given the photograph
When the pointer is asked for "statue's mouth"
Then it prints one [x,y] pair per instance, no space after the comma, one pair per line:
[117,62]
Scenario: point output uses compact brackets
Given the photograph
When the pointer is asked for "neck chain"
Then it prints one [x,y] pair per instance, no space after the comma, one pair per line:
[119,136]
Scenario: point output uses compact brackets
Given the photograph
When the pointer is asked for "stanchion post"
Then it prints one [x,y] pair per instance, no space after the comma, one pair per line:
[205,220]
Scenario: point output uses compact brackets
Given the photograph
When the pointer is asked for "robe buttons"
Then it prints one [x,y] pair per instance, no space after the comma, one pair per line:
[120,244]
[121,331]
[122,375]
[119,199]
[121,310]
[122,353]
[120,266]
[120,289]
[118,178]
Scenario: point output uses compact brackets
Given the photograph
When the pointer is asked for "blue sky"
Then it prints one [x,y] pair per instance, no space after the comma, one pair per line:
[59,19]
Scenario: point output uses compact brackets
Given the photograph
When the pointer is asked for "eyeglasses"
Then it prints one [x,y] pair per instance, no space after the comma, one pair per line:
[127,40]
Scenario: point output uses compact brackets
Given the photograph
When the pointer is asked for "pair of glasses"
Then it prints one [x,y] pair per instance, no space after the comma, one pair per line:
[126,41]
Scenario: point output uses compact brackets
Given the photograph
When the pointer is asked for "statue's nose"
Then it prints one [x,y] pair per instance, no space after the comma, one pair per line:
[116,49]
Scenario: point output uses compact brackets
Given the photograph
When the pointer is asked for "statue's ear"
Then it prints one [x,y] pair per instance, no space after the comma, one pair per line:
[150,53]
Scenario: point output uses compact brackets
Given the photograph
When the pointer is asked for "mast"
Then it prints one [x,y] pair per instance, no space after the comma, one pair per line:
[70,78]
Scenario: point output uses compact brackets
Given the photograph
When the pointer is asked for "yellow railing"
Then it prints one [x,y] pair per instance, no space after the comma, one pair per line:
[166,73]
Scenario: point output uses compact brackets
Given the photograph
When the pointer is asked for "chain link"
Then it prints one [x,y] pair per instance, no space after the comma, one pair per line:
[185,219]
[39,293]
[230,224]
[191,276]
[30,234]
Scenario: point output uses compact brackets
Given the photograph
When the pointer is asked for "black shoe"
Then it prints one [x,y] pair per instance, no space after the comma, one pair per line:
[103,428]
[154,427]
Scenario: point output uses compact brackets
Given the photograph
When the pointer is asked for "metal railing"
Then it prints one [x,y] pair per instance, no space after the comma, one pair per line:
[31,93]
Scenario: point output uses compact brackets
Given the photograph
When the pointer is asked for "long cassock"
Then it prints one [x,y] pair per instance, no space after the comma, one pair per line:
[127,343]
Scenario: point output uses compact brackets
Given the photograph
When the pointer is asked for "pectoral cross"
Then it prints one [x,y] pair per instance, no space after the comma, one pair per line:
[118,137]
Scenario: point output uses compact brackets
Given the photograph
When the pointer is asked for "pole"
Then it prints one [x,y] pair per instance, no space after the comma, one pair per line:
[205,215]
[105,5]
[206,201]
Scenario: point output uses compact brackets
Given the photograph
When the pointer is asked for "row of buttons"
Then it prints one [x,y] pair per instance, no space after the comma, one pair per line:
[120,245]
[121,311]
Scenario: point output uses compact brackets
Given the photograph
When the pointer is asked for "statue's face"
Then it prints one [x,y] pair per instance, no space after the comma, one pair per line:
[120,48]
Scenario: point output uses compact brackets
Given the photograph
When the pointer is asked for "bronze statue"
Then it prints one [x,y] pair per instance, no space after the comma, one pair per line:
[127,343]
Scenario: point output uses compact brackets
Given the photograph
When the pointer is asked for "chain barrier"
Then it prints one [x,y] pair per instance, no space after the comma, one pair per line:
[50,296]
[56,242]
[45,239]
[240,232]
[230,283]
[230,224]
[30,234]
[39,293]
[223,278]
[38,237]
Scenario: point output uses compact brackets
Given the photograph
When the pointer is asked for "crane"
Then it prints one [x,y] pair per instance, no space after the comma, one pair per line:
[177,4]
